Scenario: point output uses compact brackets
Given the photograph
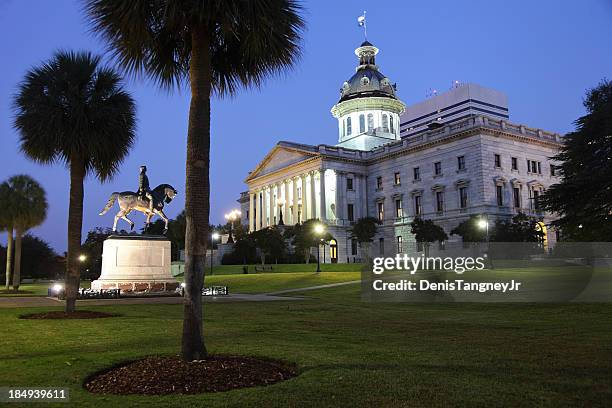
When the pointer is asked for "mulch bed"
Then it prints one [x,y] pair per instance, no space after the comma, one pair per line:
[79,314]
[171,375]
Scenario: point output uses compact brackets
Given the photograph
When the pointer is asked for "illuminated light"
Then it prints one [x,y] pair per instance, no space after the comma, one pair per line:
[82,258]
[57,287]
[319,229]
[215,236]
[482,224]
[183,284]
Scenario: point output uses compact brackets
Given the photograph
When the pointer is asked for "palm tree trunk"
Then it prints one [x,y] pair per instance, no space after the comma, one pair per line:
[17,266]
[9,257]
[75,225]
[197,194]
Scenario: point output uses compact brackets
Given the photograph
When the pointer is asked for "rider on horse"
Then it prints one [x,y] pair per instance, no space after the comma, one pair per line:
[143,187]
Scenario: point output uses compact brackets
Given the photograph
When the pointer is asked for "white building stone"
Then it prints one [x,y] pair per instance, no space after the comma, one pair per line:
[460,157]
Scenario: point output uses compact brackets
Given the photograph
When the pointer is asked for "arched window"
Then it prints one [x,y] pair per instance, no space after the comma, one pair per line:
[361,123]
[370,122]
[349,127]
[385,122]
[391,124]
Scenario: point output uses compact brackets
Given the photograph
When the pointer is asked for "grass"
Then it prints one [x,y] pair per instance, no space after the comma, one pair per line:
[350,353]
[285,268]
[271,282]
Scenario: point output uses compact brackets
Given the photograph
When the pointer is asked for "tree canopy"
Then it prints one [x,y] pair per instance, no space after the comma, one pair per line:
[583,198]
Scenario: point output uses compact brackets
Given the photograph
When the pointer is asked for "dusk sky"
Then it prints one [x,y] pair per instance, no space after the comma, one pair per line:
[543,55]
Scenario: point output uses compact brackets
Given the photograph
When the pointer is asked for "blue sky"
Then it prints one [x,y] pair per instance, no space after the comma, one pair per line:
[543,55]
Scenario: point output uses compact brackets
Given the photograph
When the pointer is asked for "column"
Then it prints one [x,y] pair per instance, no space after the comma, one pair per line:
[305,206]
[251,212]
[264,208]
[286,207]
[294,218]
[363,189]
[257,210]
[340,195]
[358,197]
[313,197]
[322,203]
[271,205]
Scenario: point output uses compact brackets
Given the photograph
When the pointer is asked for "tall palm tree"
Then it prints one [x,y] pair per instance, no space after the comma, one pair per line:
[6,224]
[29,210]
[74,110]
[215,47]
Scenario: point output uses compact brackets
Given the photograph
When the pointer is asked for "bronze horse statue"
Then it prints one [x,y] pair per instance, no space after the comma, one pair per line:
[130,201]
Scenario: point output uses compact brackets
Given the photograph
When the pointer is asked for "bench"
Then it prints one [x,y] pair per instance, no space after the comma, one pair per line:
[264,268]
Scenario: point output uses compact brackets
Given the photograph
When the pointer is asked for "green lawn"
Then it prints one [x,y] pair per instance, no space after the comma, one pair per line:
[350,353]
[271,282]
[285,268]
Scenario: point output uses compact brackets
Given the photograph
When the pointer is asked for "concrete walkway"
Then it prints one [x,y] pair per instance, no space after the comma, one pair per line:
[40,301]
[330,285]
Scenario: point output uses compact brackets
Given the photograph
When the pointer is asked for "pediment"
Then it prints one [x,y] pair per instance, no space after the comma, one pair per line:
[279,158]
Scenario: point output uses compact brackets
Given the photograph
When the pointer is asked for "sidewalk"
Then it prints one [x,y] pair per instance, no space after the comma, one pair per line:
[26,301]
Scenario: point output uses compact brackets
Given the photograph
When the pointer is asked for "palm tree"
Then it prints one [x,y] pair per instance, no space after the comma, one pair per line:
[6,224]
[71,109]
[29,209]
[215,47]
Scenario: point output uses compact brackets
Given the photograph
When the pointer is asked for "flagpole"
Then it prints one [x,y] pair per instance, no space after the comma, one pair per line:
[365,26]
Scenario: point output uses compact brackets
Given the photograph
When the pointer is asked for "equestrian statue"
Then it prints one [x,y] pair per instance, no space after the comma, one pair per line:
[147,201]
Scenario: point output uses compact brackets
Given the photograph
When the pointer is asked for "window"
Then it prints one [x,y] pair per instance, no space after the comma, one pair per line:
[349,183]
[381,246]
[497,160]
[397,179]
[416,173]
[463,197]
[536,197]
[439,201]
[514,163]
[461,163]
[385,122]
[299,191]
[400,246]
[343,128]
[418,209]
[553,170]
[534,167]
[499,192]
[381,211]
[353,247]
[350,212]
[516,195]
[379,184]
[391,124]
[399,213]
[438,168]
[370,122]
[349,127]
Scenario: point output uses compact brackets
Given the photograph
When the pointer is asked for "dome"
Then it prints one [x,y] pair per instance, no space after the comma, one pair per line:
[368,81]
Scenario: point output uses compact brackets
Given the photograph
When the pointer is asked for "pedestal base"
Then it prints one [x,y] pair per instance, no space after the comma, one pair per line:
[135,286]
[136,264]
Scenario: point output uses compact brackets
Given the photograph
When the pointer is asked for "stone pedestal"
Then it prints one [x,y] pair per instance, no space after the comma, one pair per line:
[136,264]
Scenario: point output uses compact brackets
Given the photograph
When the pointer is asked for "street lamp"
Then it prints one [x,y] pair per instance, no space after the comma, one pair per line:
[281,203]
[484,224]
[82,258]
[319,230]
[231,217]
[215,236]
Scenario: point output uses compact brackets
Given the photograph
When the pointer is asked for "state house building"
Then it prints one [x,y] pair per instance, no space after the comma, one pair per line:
[444,159]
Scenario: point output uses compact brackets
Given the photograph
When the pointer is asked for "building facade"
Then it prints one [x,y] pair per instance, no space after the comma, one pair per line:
[444,159]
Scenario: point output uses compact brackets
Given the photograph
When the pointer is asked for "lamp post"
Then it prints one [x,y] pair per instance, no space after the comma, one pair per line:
[483,223]
[281,203]
[231,217]
[319,230]
[213,238]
